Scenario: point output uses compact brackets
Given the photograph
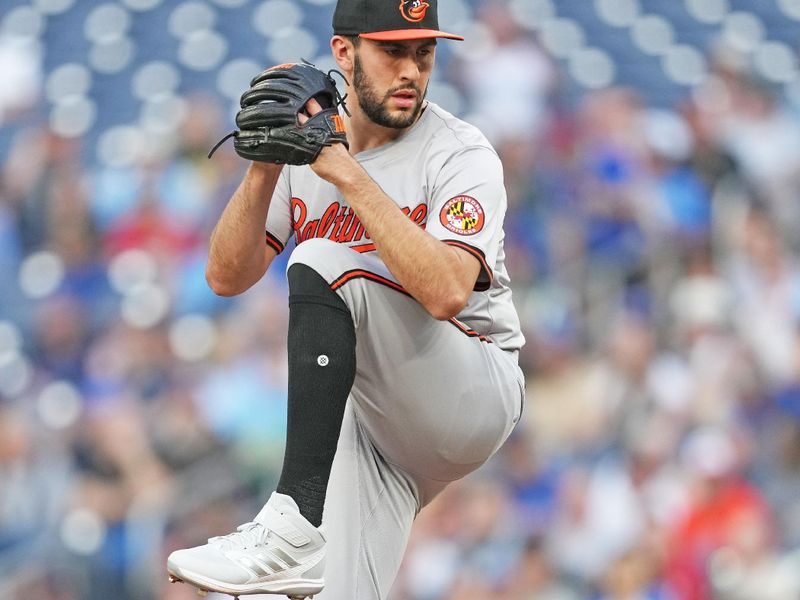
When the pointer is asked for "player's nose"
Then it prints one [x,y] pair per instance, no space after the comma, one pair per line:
[410,70]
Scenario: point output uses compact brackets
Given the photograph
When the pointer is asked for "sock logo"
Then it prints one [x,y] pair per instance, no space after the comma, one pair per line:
[322,360]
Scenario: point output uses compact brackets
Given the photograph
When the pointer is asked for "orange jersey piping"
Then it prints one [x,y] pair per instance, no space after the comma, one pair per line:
[477,253]
[274,242]
[349,276]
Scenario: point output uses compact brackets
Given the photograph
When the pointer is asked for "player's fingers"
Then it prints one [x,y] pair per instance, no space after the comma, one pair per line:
[313,107]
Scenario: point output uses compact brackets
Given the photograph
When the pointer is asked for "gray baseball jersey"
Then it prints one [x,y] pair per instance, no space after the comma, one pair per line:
[446,177]
[431,400]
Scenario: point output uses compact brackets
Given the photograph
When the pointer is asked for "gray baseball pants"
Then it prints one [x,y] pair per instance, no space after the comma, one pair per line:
[431,402]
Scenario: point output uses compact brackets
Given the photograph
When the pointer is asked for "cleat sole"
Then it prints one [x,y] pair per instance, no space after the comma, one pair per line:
[306,588]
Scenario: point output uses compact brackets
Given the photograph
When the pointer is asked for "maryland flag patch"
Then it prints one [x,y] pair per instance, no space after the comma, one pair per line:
[462,215]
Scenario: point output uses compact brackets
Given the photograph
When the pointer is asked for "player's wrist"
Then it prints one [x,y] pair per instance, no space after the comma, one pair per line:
[348,174]
[264,170]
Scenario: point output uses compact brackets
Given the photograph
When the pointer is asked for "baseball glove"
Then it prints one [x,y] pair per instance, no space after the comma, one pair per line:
[269,126]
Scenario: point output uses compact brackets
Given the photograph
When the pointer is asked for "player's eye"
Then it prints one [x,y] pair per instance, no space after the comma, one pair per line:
[426,50]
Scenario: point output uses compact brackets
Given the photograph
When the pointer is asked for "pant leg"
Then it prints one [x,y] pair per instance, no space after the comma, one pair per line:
[369,511]
[435,400]
[430,403]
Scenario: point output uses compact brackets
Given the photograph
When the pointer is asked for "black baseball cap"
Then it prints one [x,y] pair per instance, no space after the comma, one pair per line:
[389,20]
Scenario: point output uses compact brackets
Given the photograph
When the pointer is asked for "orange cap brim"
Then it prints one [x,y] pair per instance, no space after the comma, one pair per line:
[396,35]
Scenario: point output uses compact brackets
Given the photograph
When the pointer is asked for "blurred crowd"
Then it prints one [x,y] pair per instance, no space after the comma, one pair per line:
[653,253]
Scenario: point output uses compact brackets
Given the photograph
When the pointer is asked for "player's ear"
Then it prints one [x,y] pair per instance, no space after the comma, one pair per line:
[343,49]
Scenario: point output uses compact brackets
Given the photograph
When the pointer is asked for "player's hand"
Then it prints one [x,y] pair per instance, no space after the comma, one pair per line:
[334,161]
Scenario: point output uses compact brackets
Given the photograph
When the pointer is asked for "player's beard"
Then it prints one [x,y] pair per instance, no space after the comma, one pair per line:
[375,108]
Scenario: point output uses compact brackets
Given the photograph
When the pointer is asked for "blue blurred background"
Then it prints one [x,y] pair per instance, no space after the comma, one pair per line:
[652,159]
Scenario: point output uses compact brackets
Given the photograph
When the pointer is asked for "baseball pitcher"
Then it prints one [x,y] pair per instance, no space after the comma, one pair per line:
[403,340]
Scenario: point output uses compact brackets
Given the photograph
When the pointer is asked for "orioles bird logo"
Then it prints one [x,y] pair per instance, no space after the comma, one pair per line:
[413,10]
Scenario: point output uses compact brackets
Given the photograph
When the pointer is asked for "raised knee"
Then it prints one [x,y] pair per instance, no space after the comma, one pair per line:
[306,285]
[315,253]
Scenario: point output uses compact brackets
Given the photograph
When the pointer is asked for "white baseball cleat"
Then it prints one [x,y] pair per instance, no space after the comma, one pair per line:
[279,552]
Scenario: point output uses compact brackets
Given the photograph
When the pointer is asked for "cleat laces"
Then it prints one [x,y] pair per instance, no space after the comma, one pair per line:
[248,535]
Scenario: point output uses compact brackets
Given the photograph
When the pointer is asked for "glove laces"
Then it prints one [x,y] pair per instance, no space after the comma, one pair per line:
[219,143]
[340,100]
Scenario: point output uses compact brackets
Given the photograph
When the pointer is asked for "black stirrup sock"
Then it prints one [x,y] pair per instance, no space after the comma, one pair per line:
[322,367]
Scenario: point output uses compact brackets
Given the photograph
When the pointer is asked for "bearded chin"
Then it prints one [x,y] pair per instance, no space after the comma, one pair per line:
[375,108]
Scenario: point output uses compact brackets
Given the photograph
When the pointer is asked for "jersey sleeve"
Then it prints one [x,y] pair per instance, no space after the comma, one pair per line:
[467,206]
[279,217]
